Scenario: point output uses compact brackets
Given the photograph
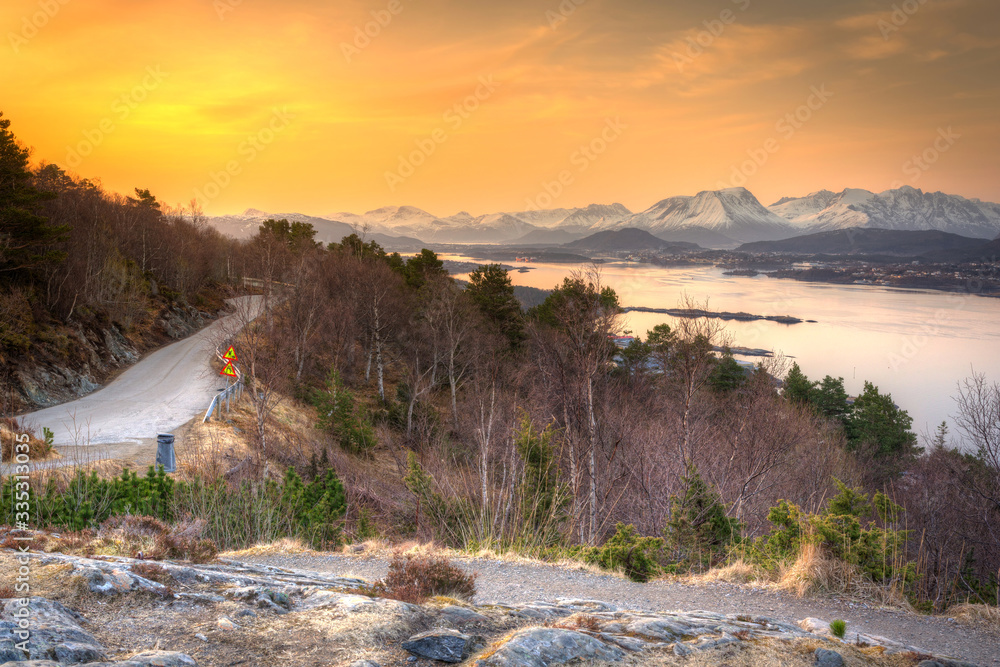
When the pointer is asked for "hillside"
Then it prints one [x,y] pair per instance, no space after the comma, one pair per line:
[627,239]
[863,241]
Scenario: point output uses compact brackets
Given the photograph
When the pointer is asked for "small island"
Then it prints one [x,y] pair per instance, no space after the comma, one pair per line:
[724,315]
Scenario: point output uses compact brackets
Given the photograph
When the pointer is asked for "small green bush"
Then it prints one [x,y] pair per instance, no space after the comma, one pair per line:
[838,628]
[698,533]
[854,528]
[635,555]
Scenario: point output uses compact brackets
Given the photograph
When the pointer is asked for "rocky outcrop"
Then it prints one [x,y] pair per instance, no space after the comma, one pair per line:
[237,602]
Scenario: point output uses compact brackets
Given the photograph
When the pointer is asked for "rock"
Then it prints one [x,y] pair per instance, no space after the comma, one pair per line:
[8,652]
[539,647]
[55,632]
[245,613]
[364,663]
[226,624]
[152,659]
[104,582]
[461,616]
[827,658]
[658,628]
[443,644]
[681,650]
[200,636]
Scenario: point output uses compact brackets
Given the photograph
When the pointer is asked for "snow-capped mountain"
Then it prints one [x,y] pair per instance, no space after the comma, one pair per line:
[733,213]
[713,218]
[905,208]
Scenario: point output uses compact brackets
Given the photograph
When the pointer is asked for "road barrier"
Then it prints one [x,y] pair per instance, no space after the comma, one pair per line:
[223,398]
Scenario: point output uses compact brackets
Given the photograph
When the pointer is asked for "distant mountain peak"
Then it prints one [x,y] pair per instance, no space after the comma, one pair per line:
[903,208]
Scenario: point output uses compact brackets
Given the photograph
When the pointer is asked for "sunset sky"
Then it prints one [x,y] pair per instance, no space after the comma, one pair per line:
[163,95]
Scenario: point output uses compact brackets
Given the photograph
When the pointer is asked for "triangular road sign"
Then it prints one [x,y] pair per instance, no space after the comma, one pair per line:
[230,354]
[228,371]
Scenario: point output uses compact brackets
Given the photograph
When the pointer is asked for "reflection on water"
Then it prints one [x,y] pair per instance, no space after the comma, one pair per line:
[915,344]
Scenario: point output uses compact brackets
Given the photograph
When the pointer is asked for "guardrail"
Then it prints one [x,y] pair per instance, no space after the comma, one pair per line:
[224,397]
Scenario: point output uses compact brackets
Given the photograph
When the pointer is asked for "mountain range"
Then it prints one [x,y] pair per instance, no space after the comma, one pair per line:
[713,218]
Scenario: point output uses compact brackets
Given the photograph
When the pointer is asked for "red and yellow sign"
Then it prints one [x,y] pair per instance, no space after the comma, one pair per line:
[230,354]
[228,371]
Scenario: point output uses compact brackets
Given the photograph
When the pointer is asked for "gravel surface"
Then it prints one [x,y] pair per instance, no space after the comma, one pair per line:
[512,582]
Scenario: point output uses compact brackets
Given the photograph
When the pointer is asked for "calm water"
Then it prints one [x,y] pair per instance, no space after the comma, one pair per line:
[915,344]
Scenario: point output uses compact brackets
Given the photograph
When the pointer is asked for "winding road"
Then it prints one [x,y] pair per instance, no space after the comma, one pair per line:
[160,393]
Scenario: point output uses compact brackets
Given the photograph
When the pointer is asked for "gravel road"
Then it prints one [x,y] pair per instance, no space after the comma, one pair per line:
[509,582]
[157,395]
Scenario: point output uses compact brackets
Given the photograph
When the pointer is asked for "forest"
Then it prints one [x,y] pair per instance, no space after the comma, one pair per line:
[448,411]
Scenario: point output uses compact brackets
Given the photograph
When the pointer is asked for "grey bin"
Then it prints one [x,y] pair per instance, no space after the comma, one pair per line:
[165,452]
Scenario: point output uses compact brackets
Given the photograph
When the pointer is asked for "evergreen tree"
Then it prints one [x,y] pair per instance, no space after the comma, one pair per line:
[798,388]
[830,399]
[727,374]
[27,241]
[492,291]
[877,426]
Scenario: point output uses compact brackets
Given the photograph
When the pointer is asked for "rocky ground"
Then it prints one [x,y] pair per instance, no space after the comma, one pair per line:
[105,611]
[525,582]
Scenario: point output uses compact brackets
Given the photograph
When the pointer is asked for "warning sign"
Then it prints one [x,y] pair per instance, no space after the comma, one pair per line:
[230,354]
[228,371]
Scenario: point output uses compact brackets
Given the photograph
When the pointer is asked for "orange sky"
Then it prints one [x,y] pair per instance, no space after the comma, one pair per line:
[306,118]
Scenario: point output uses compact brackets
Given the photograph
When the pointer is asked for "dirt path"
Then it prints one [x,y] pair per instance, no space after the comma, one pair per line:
[509,582]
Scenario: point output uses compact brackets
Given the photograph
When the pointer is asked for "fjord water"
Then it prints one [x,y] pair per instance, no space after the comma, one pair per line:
[914,344]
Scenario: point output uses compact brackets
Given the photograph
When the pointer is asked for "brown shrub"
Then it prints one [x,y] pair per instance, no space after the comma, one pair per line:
[150,538]
[415,579]
[7,592]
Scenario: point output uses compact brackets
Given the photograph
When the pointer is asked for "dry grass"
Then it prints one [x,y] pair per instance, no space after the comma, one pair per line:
[814,574]
[11,429]
[977,614]
[737,572]
[282,547]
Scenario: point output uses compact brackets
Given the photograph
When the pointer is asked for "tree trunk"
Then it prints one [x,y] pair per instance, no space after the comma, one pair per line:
[592,433]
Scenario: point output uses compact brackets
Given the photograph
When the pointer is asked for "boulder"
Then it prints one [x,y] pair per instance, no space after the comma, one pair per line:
[56,633]
[443,644]
[539,647]
[827,658]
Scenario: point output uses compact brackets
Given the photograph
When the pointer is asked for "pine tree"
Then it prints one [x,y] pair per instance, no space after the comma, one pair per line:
[27,241]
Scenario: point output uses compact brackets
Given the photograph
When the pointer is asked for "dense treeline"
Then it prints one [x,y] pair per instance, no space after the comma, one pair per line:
[463,417]
[69,249]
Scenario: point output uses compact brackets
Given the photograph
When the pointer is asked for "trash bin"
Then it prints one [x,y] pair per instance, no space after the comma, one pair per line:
[165,452]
